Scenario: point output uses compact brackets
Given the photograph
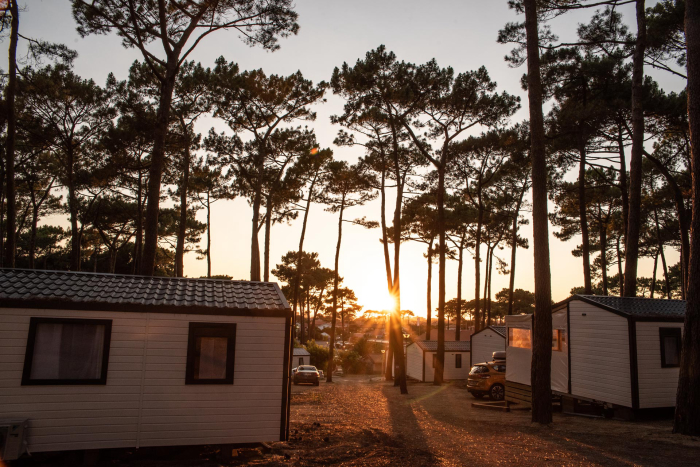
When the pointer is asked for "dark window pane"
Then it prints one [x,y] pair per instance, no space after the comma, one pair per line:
[68,351]
[211,363]
[672,350]
[458,360]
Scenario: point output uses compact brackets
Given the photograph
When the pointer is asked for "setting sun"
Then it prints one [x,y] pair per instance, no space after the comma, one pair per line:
[378,298]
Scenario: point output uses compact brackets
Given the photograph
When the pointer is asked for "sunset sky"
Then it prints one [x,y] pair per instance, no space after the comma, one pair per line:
[461,34]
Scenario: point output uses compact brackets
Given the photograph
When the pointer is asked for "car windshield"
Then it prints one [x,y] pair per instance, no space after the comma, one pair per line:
[476,369]
[307,368]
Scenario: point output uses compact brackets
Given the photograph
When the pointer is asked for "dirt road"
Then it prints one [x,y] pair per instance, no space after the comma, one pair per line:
[365,422]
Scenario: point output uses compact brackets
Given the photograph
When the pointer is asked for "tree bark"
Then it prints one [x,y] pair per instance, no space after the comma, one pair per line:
[620,274]
[687,418]
[542,342]
[138,247]
[155,172]
[623,180]
[634,220]
[585,241]
[334,305]
[488,320]
[10,228]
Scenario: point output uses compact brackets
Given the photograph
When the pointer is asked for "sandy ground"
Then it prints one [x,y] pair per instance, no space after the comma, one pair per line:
[363,421]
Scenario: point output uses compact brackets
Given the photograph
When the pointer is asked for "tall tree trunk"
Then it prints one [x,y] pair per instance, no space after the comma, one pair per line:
[208,236]
[458,322]
[486,286]
[155,172]
[32,236]
[623,179]
[254,243]
[542,345]
[661,252]
[138,247]
[182,226]
[488,321]
[73,208]
[653,275]
[10,228]
[514,248]
[603,256]
[429,297]
[334,304]
[300,251]
[687,419]
[438,373]
[268,229]
[477,265]
[396,286]
[620,274]
[634,221]
[683,221]
[585,242]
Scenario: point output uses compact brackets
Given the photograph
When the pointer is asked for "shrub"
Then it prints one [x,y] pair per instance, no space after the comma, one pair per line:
[319,355]
[352,362]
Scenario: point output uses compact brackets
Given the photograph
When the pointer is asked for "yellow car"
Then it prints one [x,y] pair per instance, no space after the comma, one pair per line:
[488,378]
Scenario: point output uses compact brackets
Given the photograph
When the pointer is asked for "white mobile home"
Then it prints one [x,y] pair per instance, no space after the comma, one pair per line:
[485,342]
[421,357]
[613,351]
[301,357]
[107,361]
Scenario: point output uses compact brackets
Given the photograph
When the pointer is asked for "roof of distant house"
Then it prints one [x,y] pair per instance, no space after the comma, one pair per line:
[499,330]
[300,352]
[450,346]
[26,288]
[636,307]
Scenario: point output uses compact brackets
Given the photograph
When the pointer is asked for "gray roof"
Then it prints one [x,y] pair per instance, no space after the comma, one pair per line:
[90,291]
[501,330]
[450,346]
[299,351]
[637,307]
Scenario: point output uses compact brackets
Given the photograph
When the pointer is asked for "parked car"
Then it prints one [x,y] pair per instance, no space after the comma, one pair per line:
[306,374]
[320,374]
[488,378]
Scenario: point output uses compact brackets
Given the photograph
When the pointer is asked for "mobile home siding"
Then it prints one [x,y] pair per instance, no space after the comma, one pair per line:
[657,386]
[600,357]
[484,344]
[450,373]
[145,401]
[414,362]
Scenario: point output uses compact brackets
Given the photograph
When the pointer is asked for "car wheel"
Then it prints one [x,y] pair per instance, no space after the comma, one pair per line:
[497,392]
[317,383]
[296,383]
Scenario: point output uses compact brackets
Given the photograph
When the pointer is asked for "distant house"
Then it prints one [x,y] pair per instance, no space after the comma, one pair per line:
[421,357]
[485,342]
[301,356]
[375,363]
[622,353]
[449,334]
[113,361]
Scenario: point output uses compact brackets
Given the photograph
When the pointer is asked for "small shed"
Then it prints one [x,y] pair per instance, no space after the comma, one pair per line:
[301,356]
[421,357]
[98,361]
[485,342]
[617,352]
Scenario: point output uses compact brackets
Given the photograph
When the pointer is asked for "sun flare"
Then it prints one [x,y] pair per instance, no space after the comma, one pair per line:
[379,299]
